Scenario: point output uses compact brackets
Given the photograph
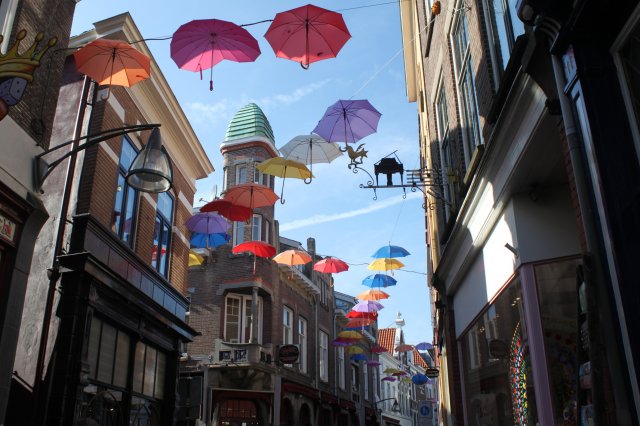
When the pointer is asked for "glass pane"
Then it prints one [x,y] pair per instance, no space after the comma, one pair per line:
[127,231]
[256,228]
[107,353]
[246,321]
[232,320]
[121,371]
[155,255]
[164,253]
[116,219]
[161,371]
[149,371]
[238,233]
[138,367]
[165,206]
[94,345]
[127,154]
[241,174]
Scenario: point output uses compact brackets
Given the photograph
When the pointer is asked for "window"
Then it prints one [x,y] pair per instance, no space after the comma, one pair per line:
[162,234]
[287,326]
[225,178]
[7,16]
[267,231]
[446,149]
[341,367]
[302,340]
[504,27]
[124,209]
[324,356]
[374,381]
[238,319]
[241,174]
[238,233]
[466,86]
[259,177]
[256,227]
[365,379]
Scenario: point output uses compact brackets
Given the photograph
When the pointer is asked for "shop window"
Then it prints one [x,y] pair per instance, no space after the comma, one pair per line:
[498,383]
[162,234]
[324,356]
[124,209]
[239,412]
[302,341]
[238,319]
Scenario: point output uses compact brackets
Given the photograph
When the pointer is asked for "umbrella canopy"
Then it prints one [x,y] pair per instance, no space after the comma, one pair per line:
[385,264]
[330,265]
[391,370]
[348,121]
[404,348]
[343,342]
[372,294]
[423,346]
[405,379]
[368,315]
[251,195]
[112,62]
[390,251]
[419,379]
[207,223]
[359,322]
[292,257]
[389,379]
[400,373]
[379,280]
[377,349]
[209,240]
[310,149]
[259,248]
[367,306]
[374,363]
[195,259]
[355,350]
[354,335]
[283,168]
[226,208]
[307,34]
[200,44]
[358,357]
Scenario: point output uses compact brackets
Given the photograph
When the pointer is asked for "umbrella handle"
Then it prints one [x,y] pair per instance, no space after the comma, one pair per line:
[304,67]
[308,180]
[282,201]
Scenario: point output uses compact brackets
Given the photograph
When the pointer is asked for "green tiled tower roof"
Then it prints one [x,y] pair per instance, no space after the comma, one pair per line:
[249,121]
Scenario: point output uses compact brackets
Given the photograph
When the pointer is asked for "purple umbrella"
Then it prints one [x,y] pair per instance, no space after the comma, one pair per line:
[348,121]
[200,44]
[207,223]
[367,306]
[374,363]
[389,379]
[423,346]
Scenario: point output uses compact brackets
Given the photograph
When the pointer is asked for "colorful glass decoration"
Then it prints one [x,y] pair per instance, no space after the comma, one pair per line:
[518,368]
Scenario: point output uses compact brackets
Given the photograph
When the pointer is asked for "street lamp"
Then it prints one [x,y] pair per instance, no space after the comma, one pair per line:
[394,408]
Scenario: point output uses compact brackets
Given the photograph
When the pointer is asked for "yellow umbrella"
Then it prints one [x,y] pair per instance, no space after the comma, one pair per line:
[373,294]
[391,371]
[283,168]
[385,264]
[350,334]
[195,259]
[355,350]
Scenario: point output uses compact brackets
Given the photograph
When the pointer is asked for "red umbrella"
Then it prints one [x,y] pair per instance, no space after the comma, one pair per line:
[377,349]
[359,322]
[251,195]
[307,34]
[330,265]
[200,44]
[112,62]
[227,209]
[258,248]
[370,315]
[404,348]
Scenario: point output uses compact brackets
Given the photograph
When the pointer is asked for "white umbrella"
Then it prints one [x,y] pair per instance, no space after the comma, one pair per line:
[309,149]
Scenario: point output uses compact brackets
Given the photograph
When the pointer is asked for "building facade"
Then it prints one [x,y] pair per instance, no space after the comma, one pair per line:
[118,288]
[530,232]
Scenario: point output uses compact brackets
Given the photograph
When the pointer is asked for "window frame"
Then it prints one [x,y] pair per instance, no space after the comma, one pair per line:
[323,358]
[287,325]
[302,341]
[243,319]
[238,232]
[256,227]
[341,368]
[445,147]
[164,269]
[239,169]
[126,200]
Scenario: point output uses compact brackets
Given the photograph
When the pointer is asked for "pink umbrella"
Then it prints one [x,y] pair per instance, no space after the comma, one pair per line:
[330,265]
[367,306]
[389,379]
[200,44]
[374,363]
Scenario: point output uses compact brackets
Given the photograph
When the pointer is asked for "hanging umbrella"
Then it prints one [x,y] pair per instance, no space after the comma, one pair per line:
[251,195]
[226,208]
[200,44]
[419,379]
[379,280]
[374,363]
[310,149]
[390,251]
[368,315]
[377,349]
[112,62]
[353,335]
[400,373]
[207,223]
[405,379]
[367,306]
[404,348]
[372,294]
[391,370]
[348,121]
[283,168]
[330,265]
[355,350]
[258,248]
[358,322]
[389,379]
[358,357]
[195,259]
[199,240]
[424,346]
[307,34]
[385,264]
[292,257]
[342,342]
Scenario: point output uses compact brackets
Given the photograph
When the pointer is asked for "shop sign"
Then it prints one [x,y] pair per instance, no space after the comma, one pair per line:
[7,229]
[288,354]
[432,373]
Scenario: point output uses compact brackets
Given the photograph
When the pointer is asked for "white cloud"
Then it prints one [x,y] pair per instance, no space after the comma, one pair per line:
[317,219]
[290,98]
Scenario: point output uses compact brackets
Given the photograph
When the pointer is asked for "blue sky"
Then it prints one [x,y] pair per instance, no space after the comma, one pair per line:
[343,218]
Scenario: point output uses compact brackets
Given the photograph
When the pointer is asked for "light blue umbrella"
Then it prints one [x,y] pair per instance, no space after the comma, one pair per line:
[390,252]
[379,280]
[199,240]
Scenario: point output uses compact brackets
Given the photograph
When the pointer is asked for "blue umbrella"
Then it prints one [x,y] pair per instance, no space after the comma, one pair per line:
[358,357]
[379,280]
[390,252]
[199,240]
[419,379]
[424,346]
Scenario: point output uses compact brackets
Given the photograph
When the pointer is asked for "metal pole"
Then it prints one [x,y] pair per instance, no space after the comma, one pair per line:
[38,416]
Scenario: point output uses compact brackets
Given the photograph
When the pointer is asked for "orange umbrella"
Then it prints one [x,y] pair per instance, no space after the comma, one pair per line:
[112,62]
[251,195]
[292,257]
[372,294]
[359,322]
[404,348]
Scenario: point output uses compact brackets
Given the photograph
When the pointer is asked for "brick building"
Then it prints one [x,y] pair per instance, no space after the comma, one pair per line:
[30,66]
[119,321]
[530,232]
